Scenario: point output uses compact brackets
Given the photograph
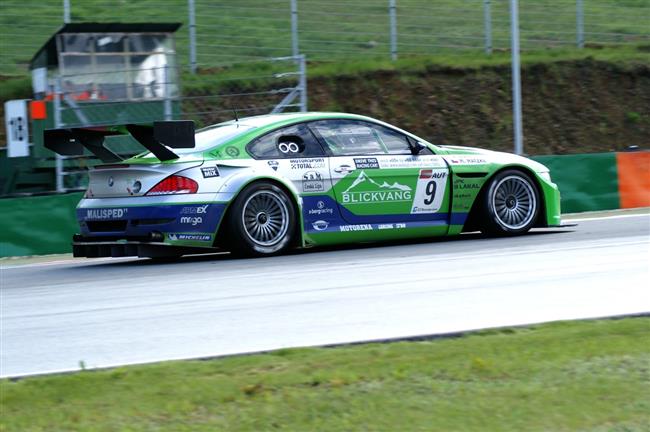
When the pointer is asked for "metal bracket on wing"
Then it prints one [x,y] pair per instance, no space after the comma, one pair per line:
[156,139]
[144,135]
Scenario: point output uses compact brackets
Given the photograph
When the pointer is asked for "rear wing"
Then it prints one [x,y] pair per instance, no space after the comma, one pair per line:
[158,139]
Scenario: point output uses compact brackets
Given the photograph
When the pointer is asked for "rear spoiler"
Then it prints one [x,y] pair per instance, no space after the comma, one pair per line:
[157,139]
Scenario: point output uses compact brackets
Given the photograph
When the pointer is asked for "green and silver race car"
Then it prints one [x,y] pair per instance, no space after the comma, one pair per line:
[262,185]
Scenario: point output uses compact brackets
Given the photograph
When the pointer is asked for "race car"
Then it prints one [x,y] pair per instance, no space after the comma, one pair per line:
[262,185]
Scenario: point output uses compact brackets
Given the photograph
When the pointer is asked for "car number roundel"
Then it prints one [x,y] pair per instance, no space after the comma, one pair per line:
[430,191]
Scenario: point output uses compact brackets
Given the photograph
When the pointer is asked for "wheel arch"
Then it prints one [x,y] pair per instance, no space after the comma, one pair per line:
[286,187]
[472,223]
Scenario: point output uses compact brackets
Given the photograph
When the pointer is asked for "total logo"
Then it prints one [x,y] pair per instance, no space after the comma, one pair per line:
[195,210]
[191,220]
[106,213]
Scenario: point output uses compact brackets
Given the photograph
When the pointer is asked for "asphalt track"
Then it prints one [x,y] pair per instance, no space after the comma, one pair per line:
[55,315]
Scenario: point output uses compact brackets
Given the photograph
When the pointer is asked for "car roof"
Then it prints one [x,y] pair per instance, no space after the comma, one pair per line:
[283,118]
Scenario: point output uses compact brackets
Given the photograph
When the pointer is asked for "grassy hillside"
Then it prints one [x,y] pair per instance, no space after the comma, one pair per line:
[329,30]
[574,101]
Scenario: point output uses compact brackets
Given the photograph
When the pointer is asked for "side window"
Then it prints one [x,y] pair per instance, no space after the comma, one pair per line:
[349,137]
[290,142]
[395,142]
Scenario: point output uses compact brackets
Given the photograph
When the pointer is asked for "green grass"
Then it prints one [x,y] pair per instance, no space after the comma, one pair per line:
[329,30]
[570,376]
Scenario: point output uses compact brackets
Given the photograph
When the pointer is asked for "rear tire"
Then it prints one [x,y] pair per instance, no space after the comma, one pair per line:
[510,204]
[261,221]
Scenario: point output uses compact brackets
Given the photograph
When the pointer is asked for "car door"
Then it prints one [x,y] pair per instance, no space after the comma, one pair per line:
[296,155]
[377,179]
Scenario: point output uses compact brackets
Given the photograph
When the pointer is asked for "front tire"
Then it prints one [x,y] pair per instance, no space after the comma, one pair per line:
[510,204]
[261,221]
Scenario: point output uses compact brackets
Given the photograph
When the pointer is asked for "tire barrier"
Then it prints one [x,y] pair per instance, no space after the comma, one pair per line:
[40,225]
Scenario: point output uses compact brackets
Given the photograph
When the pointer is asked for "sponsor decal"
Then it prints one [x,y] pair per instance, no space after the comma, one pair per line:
[461,160]
[232,151]
[196,237]
[313,163]
[115,213]
[209,172]
[460,184]
[366,163]
[320,225]
[312,181]
[411,161]
[360,227]
[195,209]
[273,164]
[343,169]
[321,209]
[391,226]
[191,220]
[365,190]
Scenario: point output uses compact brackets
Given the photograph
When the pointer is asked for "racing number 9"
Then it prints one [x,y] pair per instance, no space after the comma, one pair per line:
[430,192]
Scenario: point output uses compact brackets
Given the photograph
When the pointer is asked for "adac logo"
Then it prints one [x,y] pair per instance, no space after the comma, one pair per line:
[365,190]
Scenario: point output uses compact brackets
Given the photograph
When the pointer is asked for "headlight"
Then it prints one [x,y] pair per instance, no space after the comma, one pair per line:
[546,175]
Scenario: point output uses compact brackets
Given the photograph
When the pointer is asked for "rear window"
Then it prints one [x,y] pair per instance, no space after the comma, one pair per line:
[208,138]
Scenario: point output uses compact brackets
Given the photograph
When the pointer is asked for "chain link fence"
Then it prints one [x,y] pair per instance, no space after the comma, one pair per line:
[218,33]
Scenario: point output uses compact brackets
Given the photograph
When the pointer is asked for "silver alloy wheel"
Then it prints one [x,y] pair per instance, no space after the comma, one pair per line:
[514,202]
[265,218]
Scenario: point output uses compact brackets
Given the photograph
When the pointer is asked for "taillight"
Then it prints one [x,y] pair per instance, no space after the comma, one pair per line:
[174,185]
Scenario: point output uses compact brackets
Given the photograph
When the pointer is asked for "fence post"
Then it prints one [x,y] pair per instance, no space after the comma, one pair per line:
[303,83]
[58,159]
[392,13]
[294,29]
[192,20]
[66,11]
[487,24]
[580,24]
[167,104]
[516,78]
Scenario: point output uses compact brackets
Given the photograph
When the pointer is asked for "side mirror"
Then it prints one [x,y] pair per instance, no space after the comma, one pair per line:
[415,146]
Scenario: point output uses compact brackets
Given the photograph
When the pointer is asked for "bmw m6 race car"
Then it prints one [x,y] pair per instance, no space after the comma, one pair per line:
[261,185]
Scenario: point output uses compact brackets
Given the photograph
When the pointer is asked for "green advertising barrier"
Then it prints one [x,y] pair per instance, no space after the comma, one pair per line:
[45,224]
[38,225]
[587,182]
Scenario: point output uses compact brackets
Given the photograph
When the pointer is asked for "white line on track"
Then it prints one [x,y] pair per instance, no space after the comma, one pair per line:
[624,216]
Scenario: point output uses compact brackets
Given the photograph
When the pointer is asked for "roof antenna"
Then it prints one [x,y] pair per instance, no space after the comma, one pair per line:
[234,110]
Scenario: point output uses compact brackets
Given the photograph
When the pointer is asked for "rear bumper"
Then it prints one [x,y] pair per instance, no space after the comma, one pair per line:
[168,224]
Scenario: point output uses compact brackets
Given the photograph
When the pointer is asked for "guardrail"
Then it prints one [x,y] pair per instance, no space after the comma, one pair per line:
[41,225]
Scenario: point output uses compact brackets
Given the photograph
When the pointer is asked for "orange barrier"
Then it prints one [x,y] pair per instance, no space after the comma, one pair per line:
[633,179]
